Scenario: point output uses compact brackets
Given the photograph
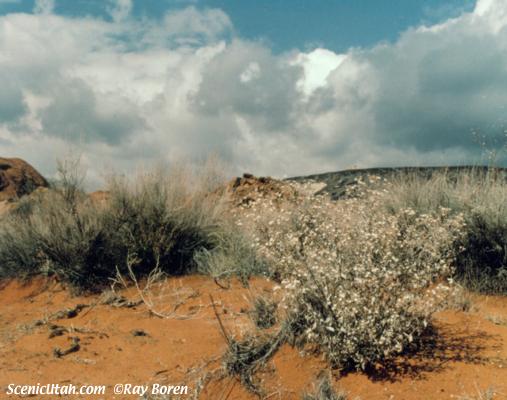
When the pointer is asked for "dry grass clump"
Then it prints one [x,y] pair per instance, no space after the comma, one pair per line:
[481,196]
[360,283]
[263,313]
[324,391]
[173,221]
[487,394]
[497,320]
[244,357]
[233,257]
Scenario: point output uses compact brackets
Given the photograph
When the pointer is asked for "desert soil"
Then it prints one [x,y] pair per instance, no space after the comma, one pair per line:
[127,343]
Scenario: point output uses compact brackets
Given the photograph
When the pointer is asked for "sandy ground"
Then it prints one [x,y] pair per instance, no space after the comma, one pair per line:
[119,344]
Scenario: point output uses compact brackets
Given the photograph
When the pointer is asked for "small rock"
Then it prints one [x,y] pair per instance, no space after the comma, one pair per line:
[138,332]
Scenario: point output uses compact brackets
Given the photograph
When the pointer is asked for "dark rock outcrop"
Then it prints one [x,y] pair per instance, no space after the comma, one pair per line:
[338,182]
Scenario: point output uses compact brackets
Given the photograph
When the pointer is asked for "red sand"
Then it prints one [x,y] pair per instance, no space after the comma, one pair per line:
[470,353]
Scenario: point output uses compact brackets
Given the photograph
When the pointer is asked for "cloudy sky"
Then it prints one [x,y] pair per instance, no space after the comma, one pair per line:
[276,87]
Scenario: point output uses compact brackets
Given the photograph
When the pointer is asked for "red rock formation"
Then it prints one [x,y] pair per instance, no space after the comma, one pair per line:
[18,178]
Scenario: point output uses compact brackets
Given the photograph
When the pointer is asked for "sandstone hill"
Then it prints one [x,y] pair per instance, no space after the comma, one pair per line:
[18,178]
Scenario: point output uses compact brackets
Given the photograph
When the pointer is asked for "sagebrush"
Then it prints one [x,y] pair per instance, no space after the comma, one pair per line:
[172,220]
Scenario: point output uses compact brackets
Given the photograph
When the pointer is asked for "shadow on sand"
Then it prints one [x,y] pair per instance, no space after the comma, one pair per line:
[434,351]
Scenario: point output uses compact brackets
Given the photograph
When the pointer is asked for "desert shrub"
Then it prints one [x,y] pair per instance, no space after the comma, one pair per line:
[481,196]
[244,357]
[54,232]
[324,391]
[19,253]
[161,220]
[58,236]
[178,222]
[483,264]
[360,284]
[234,257]
[263,313]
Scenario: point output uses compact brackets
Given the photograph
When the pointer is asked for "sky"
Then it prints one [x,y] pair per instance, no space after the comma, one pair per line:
[273,87]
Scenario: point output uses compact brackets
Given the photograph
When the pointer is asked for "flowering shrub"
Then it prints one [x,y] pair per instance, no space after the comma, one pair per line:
[361,283]
[481,195]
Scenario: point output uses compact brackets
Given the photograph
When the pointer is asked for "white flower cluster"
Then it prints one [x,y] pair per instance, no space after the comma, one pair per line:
[361,282]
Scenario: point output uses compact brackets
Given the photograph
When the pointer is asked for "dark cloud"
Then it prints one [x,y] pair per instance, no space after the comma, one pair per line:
[249,81]
[76,114]
[447,88]
[12,105]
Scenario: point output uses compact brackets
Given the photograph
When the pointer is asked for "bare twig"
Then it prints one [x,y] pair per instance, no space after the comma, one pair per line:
[144,292]
[224,332]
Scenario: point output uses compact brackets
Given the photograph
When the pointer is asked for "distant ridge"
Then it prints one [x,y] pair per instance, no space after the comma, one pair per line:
[338,181]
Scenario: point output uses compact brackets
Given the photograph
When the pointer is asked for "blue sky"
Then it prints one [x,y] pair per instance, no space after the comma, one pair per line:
[273,87]
[287,24]
[333,24]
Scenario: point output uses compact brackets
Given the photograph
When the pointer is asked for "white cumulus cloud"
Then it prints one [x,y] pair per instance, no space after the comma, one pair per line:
[44,6]
[130,91]
[120,9]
